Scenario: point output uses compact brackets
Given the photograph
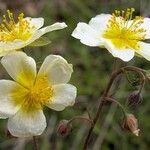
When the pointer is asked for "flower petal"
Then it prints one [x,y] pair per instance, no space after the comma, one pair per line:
[35,22]
[8,107]
[6,47]
[20,67]
[146,26]
[144,50]
[124,54]
[55,26]
[99,23]
[57,69]
[87,35]
[42,31]
[64,96]
[27,124]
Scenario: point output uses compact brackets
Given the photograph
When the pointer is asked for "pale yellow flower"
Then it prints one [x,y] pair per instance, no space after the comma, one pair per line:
[22,100]
[118,33]
[16,35]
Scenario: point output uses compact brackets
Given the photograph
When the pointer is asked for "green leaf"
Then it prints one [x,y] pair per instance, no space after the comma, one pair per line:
[42,41]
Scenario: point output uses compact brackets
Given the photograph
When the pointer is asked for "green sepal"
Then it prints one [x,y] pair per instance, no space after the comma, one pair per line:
[42,41]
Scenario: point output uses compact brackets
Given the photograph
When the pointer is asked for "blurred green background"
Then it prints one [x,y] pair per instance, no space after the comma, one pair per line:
[92,69]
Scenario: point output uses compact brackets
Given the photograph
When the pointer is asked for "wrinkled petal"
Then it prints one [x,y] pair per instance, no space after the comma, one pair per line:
[20,67]
[100,22]
[27,124]
[37,23]
[57,69]
[146,26]
[144,50]
[87,35]
[8,107]
[55,26]
[64,95]
[124,54]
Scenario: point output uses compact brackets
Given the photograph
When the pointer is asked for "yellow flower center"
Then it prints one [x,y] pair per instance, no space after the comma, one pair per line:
[124,32]
[10,30]
[34,98]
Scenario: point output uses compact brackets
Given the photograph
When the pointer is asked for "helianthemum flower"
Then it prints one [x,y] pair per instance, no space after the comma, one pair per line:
[118,33]
[18,34]
[22,101]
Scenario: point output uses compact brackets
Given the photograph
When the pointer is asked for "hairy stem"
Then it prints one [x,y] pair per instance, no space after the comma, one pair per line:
[81,118]
[116,102]
[114,75]
[35,143]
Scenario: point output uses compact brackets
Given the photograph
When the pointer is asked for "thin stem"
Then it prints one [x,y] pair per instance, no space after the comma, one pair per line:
[81,118]
[127,77]
[114,75]
[140,72]
[89,115]
[115,64]
[143,83]
[35,143]
[118,103]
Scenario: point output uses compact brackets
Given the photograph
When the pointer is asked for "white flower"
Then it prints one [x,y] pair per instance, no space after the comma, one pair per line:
[15,36]
[120,35]
[22,100]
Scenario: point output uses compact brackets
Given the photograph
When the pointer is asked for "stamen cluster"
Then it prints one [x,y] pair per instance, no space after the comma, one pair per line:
[11,30]
[124,32]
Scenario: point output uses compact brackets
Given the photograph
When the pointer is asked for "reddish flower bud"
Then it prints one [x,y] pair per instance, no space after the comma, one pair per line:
[134,98]
[130,123]
[63,128]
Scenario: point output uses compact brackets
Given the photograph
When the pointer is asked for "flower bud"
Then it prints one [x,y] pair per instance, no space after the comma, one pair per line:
[134,98]
[130,123]
[63,128]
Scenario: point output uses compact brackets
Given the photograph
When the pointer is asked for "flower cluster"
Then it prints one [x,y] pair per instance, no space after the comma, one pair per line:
[22,100]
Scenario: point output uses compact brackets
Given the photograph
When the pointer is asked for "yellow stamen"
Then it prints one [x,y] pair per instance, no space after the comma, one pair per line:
[123,32]
[35,97]
[11,30]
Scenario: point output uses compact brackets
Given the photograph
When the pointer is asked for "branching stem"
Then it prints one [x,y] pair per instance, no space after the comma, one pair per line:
[114,75]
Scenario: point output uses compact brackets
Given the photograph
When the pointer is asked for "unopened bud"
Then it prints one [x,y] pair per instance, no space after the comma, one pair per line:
[130,123]
[63,128]
[134,98]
